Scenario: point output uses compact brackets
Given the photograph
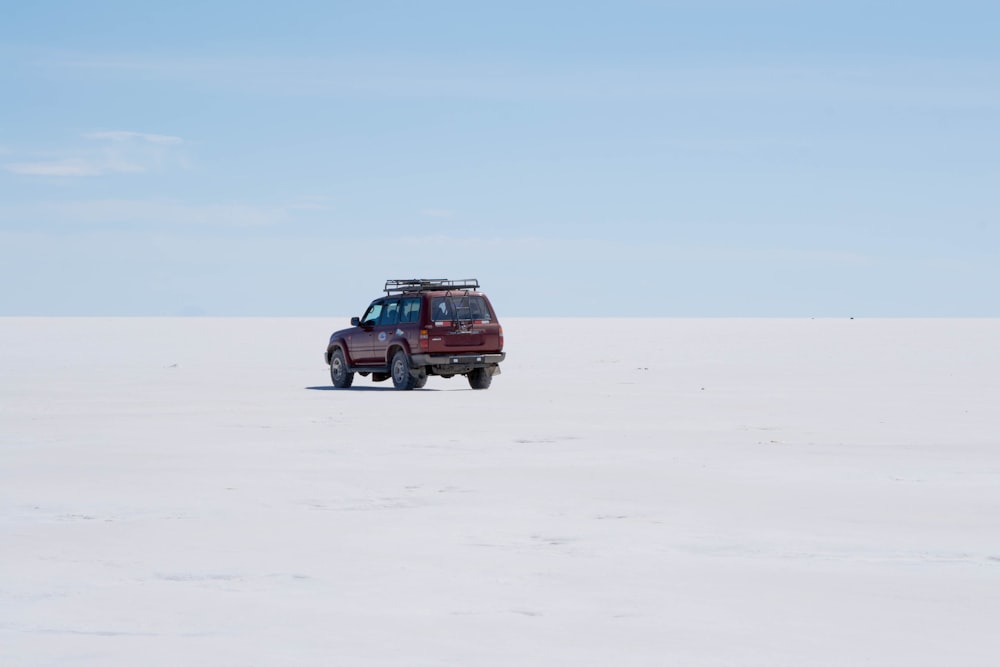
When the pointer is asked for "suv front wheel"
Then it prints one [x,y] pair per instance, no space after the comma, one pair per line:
[339,374]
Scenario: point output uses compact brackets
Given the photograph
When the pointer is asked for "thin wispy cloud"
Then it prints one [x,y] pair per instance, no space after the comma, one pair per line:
[116,152]
[589,249]
[151,212]
[311,203]
[931,83]
[124,135]
[438,213]
[67,167]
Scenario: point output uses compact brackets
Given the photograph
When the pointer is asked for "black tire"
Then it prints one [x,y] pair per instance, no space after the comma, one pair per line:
[400,368]
[480,378]
[341,377]
[420,381]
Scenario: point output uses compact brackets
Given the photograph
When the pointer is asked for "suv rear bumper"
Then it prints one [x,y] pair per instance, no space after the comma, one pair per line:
[459,363]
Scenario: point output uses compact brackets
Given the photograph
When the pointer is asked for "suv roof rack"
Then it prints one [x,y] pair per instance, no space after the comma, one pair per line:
[429,285]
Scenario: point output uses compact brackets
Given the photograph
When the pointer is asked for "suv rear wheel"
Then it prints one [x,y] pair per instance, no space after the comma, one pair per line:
[401,378]
[480,378]
[339,374]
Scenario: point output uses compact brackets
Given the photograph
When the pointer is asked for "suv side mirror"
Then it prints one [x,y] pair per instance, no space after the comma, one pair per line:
[355,321]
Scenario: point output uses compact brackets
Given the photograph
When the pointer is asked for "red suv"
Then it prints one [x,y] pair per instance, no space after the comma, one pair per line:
[421,327]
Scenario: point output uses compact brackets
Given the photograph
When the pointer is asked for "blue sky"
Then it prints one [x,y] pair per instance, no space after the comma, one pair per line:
[643,157]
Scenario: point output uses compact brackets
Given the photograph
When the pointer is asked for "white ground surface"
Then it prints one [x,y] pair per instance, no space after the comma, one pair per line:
[657,492]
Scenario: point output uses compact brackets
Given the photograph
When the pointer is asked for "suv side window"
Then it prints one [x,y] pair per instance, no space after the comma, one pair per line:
[410,309]
[372,314]
[390,313]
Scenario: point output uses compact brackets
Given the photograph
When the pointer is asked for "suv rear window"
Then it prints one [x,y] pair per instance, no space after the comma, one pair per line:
[465,307]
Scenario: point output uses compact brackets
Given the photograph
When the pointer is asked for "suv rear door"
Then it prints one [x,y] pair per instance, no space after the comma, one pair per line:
[463,323]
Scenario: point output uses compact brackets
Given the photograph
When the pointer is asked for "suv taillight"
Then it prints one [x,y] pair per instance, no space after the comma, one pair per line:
[424,339]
